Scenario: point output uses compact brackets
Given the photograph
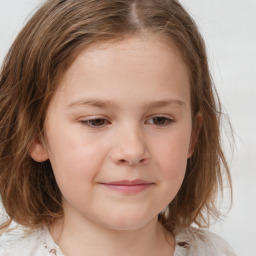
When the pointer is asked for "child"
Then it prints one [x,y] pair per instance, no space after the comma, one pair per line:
[109,133]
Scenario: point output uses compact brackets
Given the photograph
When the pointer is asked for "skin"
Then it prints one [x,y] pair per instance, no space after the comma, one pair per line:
[121,112]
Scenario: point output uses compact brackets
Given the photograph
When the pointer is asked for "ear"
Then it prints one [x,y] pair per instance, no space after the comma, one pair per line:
[38,151]
[195,133]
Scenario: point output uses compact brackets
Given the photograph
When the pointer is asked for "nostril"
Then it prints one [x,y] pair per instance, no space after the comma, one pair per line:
[122,161]
[133,161]
[142,161]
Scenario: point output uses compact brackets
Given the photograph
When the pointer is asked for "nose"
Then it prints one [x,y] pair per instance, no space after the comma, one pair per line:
[130,149]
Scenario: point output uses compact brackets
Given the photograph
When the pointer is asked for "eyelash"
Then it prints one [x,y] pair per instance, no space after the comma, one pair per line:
[165,121]
[87,122]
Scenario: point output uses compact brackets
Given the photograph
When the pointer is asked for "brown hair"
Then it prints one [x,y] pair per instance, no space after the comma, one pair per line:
[45,48]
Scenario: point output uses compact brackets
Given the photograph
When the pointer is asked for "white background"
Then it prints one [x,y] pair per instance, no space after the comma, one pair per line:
[229,28]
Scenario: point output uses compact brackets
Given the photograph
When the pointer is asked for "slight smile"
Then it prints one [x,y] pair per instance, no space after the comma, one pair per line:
[128,187]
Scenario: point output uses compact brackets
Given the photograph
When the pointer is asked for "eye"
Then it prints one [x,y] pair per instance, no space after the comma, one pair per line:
[160,120]
[96,122]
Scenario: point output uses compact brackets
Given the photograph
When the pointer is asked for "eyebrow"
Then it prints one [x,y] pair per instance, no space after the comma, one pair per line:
[111,104]
[167,102]
[93,103]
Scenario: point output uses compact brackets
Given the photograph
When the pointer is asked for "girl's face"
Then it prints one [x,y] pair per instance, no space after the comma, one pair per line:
[118,132]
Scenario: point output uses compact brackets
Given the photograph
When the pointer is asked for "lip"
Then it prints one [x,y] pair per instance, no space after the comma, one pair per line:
[128,186]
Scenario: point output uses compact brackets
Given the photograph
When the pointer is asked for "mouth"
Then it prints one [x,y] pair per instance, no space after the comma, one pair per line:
[127,186]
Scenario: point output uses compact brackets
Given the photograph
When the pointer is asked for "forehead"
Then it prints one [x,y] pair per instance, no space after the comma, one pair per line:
[139,43]
[125,66]
[133,50]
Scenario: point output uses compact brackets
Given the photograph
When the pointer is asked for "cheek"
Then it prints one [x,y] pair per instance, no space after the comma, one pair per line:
[75,165]
[172,157]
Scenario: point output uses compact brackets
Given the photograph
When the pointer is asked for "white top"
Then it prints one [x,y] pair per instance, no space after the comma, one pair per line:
[189,242]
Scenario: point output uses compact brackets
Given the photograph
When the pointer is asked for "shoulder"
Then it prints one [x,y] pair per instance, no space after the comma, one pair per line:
[201,242]
[19,241]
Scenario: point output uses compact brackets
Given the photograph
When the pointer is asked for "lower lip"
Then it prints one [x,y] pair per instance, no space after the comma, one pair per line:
[129,189]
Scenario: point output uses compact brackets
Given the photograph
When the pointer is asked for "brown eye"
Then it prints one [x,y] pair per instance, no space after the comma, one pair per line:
[160,120]
[95,122]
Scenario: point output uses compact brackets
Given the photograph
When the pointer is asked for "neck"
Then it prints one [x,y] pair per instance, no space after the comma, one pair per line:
[87,238]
